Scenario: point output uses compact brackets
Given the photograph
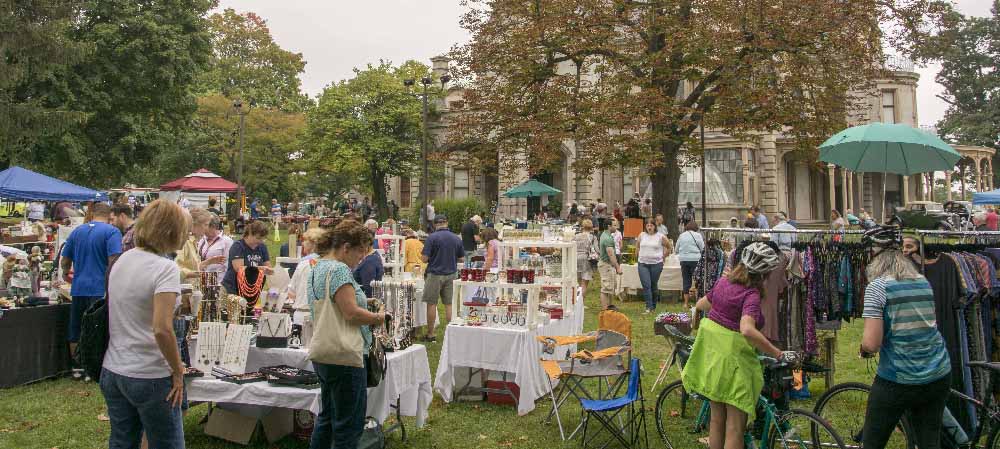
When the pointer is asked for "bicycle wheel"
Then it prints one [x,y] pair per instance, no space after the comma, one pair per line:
[802,429]
[843,406]
[681,419]
[993,442]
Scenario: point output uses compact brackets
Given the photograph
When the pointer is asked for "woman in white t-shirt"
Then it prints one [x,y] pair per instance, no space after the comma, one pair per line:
[143,376]
[653,250]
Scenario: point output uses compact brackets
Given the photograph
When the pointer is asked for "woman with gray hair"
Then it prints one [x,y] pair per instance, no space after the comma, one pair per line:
[914,372]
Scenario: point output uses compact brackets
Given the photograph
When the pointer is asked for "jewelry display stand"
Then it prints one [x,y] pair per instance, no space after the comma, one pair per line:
[237,347]
[273,329]
[399,298]
[393,252]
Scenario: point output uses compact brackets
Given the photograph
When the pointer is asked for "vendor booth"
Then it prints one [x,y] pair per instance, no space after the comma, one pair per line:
[34,328]
[198,187]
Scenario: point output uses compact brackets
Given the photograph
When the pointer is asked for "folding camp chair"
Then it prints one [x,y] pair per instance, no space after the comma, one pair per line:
[632,432]
[572,372]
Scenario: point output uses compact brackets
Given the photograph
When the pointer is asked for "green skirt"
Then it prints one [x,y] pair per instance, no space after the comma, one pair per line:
[724,368]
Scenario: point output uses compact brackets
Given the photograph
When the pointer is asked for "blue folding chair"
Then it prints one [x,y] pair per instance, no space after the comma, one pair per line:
[630,432]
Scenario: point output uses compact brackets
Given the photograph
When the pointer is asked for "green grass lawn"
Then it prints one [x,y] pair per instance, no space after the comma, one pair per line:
[64,413]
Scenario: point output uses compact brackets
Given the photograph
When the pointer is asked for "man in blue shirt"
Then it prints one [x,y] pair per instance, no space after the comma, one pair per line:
[761,218]
[442,252]
[90,251]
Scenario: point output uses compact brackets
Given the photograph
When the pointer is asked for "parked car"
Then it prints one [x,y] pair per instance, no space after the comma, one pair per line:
[925,215]
[963,210]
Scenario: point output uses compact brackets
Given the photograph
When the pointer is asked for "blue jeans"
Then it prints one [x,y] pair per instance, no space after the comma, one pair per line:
[649,276]
[137,405]
[343,404]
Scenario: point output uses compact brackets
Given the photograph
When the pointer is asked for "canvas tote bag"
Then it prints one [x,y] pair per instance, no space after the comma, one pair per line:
[334,341]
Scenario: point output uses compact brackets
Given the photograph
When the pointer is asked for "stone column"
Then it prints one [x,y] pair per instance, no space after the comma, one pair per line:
[844,202]
[850,189]
[768,175]
[906,190]
[831,171]
[861,192]
[745,157]
[947,184]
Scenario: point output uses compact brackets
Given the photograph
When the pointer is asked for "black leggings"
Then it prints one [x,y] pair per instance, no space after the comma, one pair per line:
[922,404]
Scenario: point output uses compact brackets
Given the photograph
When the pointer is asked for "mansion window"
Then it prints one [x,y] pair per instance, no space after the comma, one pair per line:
[460,186]
[888,106]
[404,191]
[723,179]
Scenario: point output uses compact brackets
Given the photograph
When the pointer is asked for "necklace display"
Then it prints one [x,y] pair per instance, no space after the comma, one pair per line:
[236,348]
[399,299]
[250,289]
[211,339]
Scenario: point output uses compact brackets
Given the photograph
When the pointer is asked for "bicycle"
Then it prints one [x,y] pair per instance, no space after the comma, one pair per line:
[851,425]
[686,415]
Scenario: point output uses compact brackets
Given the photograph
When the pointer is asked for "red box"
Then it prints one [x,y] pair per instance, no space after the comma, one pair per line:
[502,398]
[555,314]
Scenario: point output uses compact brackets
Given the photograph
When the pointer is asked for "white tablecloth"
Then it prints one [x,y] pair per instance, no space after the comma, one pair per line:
[408,376]
[509,350]
[670,278]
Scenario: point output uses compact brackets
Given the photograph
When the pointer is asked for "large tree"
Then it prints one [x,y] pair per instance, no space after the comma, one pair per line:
[969,51]
[248,64]
[629,82]
[134,88]
[35,49]
[368,125]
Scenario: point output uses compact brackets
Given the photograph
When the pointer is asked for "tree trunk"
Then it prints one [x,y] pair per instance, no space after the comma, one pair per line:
[666,187]
[379,194]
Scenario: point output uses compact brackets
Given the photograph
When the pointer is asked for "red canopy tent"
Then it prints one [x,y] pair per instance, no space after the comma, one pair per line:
[201,181]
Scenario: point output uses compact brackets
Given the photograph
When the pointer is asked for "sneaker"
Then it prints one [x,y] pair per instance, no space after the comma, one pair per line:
[77,374]
[86,378]
[645,312]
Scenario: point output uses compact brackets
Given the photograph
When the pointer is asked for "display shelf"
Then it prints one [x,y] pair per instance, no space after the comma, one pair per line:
[393,252]
[467,289]
[564,270]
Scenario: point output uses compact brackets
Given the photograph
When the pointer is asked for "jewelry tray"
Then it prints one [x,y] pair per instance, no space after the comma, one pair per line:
[290,374]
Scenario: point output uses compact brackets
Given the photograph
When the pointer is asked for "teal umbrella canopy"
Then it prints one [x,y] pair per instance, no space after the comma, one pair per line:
[884,148]
[531,188]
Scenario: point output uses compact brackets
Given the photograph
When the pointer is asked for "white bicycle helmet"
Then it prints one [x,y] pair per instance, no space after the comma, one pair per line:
[759,258]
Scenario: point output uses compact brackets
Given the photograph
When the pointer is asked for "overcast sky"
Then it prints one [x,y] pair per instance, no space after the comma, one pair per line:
[337,36]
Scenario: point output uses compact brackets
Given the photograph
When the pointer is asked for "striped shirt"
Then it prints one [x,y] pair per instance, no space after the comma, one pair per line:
[913,351]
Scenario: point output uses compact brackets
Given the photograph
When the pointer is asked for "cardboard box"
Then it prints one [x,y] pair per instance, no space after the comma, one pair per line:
[238,424]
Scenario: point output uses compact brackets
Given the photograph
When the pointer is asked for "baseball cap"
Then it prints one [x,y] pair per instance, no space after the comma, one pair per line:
[438,219]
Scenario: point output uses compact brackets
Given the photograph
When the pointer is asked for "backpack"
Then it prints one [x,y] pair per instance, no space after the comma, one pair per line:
[94,339]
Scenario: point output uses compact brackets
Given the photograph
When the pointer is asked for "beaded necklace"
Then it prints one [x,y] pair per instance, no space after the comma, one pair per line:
[248,290]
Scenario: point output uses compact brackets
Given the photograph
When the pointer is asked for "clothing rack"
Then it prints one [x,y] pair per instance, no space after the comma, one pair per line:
[783,231]
[758,231]
[982,235]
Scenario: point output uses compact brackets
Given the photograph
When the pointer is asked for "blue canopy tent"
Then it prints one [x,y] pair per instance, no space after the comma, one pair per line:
[21,184]
[984,198]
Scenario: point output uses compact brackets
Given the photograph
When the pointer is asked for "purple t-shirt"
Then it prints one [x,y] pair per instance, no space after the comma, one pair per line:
[730,302]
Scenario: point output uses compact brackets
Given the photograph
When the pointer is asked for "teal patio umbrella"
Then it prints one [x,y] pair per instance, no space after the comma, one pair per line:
[888,148]
[531,188]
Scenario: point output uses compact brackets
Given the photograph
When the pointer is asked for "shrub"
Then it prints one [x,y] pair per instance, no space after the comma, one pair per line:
[458,212]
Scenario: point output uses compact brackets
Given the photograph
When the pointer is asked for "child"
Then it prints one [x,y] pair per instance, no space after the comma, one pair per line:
[20,280]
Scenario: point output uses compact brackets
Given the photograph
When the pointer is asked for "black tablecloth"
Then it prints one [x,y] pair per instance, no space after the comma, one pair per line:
[33,344]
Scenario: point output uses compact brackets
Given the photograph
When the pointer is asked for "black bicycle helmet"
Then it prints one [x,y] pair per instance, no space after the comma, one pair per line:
[884,236]
[759,258]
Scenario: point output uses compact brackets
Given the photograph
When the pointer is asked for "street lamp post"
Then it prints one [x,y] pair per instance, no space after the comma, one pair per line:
[424,150]
[238,106]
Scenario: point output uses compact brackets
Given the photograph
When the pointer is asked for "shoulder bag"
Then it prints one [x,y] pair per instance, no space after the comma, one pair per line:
[94,339]
[375,362]
[334,340]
